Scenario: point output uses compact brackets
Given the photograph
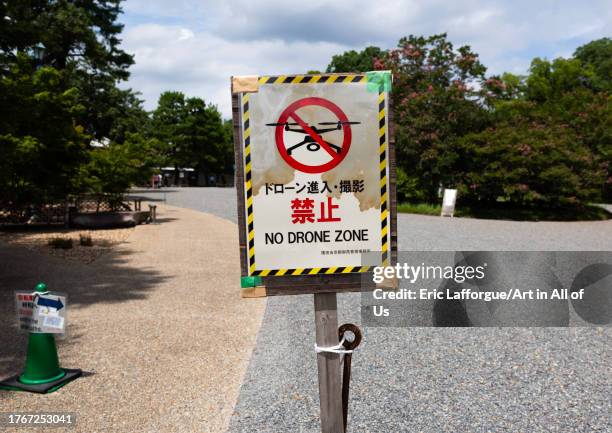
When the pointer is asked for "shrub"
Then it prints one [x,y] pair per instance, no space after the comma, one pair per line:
[420,208]
[408,188]
[529,163]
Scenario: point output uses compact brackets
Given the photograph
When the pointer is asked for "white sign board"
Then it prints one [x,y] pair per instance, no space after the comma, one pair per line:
[41,312]
[448,202]
[315,153]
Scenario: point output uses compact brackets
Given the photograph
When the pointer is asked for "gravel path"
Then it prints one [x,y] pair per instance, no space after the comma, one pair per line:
[157,325]
[216,201]
[433,379]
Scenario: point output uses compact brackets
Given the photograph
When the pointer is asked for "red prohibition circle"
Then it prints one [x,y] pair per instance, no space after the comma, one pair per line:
[290,112]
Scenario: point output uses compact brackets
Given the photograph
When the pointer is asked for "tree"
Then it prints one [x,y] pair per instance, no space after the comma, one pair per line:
[191,133]
[110,113]
[548,81]
[435,101]
[353,61]
[80,39]
[527,161]
[41,145]
[227,150]
[114,168]
[60,62]
[598,55]
[549,142]
[542,139]
[506,87]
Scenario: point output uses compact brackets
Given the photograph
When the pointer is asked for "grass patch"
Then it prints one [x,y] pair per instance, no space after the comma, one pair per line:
[63,243]
[506,212]
[419,208]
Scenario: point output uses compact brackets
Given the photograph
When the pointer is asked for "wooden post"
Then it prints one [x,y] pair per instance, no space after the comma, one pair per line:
[328,364]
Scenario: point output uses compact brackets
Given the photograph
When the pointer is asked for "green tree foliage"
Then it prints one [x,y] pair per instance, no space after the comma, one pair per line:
[227,151]
[527,160]
[40,142]
[114,168]
[80,39]
[598,55]
[60,62]
[435,103]
[549,143]
[544,139]
[548,81]
[192,134]
[353,61]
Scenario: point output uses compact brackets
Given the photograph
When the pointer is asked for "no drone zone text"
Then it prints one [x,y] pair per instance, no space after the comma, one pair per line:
[322,236]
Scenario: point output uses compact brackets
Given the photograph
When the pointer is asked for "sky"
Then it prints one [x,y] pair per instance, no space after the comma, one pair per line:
[195,46]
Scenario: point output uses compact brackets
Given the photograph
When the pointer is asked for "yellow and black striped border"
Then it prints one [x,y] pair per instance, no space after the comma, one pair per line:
[312,79]
[246,136]
[384,194]
[384,208]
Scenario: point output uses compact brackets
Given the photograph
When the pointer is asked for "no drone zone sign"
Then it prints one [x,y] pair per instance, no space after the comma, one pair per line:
[314,179]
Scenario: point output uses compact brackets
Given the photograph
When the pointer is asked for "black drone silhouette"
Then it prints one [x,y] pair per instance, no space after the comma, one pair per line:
[310,142]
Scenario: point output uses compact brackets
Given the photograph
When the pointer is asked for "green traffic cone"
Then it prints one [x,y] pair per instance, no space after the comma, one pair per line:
[42,362]
[42,371]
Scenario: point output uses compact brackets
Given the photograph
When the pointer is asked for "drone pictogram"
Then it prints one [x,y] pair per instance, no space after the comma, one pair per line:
[290,121]
[310,141]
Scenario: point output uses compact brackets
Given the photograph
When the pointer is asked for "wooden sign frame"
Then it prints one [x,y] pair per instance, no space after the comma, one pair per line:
[304,283]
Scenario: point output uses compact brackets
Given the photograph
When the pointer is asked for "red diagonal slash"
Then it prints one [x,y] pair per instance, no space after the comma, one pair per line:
[289,113]
[313,134]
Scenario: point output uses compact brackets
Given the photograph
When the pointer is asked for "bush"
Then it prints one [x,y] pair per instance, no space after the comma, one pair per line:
[86,241]
[63,243]
[408,189]
[528,163]
[116,167]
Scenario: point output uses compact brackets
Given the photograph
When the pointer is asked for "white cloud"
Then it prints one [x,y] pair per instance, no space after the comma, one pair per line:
[202,64]
[195,46]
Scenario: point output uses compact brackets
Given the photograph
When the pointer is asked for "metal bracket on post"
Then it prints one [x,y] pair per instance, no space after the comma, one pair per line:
[346,372]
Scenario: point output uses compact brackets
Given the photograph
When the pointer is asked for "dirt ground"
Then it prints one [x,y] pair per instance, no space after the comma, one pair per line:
[156,323]
[38,240]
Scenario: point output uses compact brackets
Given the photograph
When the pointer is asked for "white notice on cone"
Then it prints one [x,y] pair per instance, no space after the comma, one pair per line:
[43,313]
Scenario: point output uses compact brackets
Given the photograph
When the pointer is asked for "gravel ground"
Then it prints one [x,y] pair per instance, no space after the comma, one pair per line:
[433,379]
[156,324]
[217,201]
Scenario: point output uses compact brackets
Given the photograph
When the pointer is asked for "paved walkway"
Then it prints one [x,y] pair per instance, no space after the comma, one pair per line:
[157,325]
